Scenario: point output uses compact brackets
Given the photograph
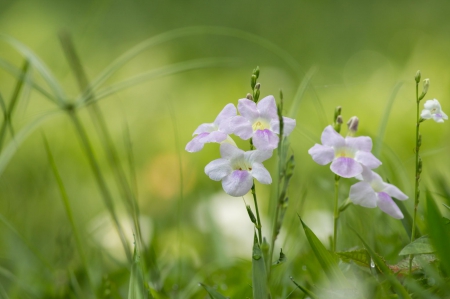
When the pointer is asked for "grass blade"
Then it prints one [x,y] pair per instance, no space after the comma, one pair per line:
[259,273]
[212,292]
[304,290]
[137,289]
[327,260]
[192,31]
[20,137]
[39,65]
[68,209]
[301,92]
[157,73]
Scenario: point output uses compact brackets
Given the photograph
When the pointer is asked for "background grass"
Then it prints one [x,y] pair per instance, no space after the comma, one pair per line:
[360,55]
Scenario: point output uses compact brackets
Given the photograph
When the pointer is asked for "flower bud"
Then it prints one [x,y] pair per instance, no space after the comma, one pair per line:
[337,112]
[339,120]
[426,84]
[352,125]
[419,166]
[258,86]
[249,97]
[256,96]
[417,77]
[256,72]
[338,123]
[253,82]
[250,214]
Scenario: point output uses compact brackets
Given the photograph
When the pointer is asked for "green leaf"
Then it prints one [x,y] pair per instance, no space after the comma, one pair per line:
[438,231]
[212,292]
[327,260]
[418,246]
[358,256]
[402,267]
[396,285]
[259,273]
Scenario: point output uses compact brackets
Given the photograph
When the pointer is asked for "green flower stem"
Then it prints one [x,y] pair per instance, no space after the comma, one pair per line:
[258,219]
[336,210]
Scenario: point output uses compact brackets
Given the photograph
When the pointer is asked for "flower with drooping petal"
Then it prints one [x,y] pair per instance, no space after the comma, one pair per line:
[432,109]
[347,155]
[213,132]
[236,169]
[372,192]
[260,122]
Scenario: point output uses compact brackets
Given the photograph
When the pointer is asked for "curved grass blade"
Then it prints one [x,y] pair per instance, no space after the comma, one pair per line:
[157,73]
[137,288]
[304,290]
[191,31]
[16,72]
[396,285]
[385,119]
[212,292]
[327,260]
[301,92]
[39,65]
[20,137]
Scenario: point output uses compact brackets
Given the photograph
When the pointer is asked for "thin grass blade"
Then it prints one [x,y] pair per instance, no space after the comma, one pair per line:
[327,260]
[212,292]
[304,290]
[40,67]
[301,92]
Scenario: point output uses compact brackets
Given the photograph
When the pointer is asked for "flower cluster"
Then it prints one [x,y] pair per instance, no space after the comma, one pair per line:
[237,168]
[351,157]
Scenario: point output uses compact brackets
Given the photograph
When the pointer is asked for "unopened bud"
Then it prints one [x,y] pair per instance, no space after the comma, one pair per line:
[250,214]
[281,95]
[339,120]
[417,77]
[256,72]
[256,97]
[253,82]
[337,125]
[352,124]
[249,97]
[337,112]
[258,86]
[426,84]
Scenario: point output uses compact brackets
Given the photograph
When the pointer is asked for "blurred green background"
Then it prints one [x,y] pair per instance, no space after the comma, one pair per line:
[358,54]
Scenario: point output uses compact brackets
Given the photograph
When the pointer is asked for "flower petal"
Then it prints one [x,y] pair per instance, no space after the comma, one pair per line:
[362,194]
[218,169]
[260,173]
[289,125]
[227,112]
[237,183]
[229,151]
[367,159]
[267,108]
[241,127]
[425,114]
[346,167]
[332,138]
[194,145]
[205,128]
[393,191]
[362,143]
[265,140]
[215,136]
[430,104]
[248,109]
[387,205]
[321,154]
[257,156]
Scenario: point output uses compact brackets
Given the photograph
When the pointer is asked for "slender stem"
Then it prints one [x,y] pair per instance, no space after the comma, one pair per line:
[417,173]
[258,219]
[336,209]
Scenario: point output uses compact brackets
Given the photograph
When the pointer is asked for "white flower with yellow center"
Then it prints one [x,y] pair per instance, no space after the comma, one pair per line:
[432,109]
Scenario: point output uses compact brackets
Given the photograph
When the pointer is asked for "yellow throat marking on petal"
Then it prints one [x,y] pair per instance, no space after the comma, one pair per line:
[344,152]
[260,124]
